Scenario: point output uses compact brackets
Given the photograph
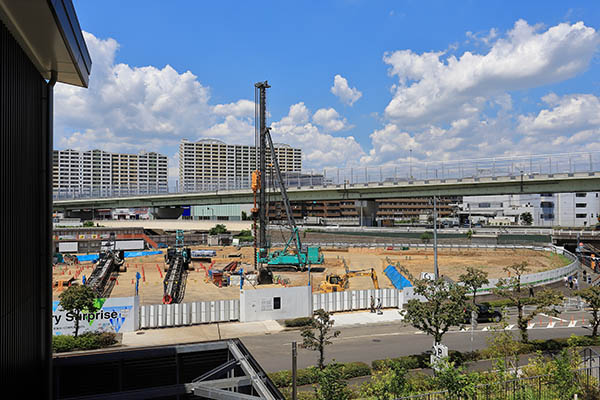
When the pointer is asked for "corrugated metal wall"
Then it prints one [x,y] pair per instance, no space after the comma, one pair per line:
[24,254]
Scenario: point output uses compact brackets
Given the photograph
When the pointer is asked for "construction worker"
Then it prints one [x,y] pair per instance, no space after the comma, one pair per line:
[372,304]
[379,312]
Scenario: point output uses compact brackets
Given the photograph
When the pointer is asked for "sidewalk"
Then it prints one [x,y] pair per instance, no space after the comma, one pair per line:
[366,317]
[199,333]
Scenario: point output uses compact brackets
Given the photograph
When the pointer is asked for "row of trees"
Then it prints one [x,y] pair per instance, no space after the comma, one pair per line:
[446,303]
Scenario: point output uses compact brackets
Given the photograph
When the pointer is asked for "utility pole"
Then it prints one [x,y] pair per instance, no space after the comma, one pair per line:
[435,258]
[294,371]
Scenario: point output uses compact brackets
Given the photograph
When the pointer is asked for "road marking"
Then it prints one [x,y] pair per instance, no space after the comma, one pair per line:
[487,328]
[572,324]
[530,325]
[509,327]
[550,316]
[551,324]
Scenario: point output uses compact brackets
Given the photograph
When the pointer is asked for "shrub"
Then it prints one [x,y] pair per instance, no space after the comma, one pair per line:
[355,369]
[303,321]
[63,343]
[86,341]
[307,376]
[281,378]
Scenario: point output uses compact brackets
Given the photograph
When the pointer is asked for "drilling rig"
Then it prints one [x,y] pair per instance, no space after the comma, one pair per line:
[293,254]
[178,258]
[109,260]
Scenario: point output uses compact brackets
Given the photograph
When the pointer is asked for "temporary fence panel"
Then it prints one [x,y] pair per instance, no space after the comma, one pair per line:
[350,300]
[199,312]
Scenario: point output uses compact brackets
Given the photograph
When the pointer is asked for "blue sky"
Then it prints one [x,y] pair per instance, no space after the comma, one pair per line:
[447,80]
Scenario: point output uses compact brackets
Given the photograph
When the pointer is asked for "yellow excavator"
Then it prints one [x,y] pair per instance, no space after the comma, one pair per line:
[339,283]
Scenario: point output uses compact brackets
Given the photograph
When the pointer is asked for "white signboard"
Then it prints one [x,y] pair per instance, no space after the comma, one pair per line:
[67,247]
[439,351]
[428,275]
[120,314]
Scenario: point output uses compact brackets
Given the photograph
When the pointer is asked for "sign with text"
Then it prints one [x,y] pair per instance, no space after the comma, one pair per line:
[120,314]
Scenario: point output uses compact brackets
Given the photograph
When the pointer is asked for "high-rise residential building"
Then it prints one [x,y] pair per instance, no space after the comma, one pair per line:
[209,164]
[100,173]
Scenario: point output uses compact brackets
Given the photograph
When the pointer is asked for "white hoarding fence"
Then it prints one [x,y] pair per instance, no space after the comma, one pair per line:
[199,312]
[350,300]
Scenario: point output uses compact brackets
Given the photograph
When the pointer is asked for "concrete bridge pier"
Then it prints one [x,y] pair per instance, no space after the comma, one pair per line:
[367,212]
[167,212]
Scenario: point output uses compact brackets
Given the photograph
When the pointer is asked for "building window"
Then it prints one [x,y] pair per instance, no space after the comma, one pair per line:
[581,205]
[580,194]
[276,303]
[580,215]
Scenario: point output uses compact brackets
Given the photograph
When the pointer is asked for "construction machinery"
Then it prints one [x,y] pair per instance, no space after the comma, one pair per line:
[293,254]
[339,283]
[178,259]
[109,260]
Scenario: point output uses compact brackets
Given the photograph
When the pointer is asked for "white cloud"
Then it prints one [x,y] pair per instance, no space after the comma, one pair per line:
[432,89]
[568,114]
[345,93]
[241,108]
[330,120]
[318,149]
[130,108]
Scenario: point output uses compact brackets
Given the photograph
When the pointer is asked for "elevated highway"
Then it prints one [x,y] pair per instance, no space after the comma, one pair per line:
[470,186]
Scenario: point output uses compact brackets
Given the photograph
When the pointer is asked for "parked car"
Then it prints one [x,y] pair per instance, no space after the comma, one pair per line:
[484,314]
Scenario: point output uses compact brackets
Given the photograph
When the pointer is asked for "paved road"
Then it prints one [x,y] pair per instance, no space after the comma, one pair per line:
[379,341]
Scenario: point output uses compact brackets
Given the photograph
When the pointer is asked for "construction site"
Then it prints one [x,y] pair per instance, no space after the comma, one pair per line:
[187,272]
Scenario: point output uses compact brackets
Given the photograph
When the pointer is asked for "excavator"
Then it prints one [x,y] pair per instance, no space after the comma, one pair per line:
[337,283]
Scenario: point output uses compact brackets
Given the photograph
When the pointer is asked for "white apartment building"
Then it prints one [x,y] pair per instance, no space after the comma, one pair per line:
[100,173]
[209,163]
[547,209]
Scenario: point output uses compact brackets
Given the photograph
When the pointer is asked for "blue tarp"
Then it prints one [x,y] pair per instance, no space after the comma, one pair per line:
[399,281]
[128,254]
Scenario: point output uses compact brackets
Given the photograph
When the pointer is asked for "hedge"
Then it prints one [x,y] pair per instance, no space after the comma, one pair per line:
[310,375]
[85,341]
[303,321]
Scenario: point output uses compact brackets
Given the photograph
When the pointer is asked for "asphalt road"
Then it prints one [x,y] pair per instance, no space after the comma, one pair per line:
[379,341]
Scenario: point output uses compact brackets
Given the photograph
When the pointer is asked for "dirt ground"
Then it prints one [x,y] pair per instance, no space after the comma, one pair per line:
[452,263]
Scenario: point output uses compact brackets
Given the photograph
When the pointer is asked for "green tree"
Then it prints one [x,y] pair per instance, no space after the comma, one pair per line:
[388,383]
[218,229]
[244,216]
[426,237]
[444,307]
[332,385]
[591,296]
[474,279]
[318,334]
[88,224]
[76,299]
[526,218]
[453,379]
[511,288]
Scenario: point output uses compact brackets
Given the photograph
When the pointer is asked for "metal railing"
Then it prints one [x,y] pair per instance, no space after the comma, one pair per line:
[411,170]
[537,387]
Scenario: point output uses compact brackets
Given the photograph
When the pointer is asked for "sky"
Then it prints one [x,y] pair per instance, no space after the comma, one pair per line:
[354,83]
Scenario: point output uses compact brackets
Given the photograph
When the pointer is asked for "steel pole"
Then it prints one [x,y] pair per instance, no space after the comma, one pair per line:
[294,371]
[435,260]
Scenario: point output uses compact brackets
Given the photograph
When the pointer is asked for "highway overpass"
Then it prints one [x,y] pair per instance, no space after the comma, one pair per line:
[474,186]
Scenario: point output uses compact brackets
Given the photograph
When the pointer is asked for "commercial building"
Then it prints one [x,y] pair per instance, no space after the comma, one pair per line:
[100,173]
[41,43]
[546,209]
[209,164]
